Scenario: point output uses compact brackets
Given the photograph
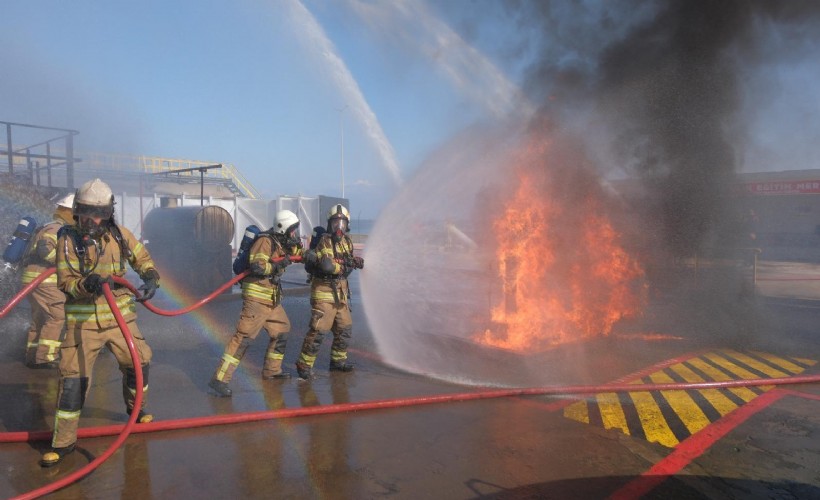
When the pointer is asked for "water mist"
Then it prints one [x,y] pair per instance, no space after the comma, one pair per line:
[439,296]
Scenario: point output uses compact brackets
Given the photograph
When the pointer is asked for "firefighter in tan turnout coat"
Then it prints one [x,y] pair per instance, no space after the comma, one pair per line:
[329,265]
[47,301]
[262,303]
[89,253]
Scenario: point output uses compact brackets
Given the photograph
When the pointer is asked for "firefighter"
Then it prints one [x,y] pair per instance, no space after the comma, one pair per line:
[47,301]
[262,303]
[330,264]
[89,253]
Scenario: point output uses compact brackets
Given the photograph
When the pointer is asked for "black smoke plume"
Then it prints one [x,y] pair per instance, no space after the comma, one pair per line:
[667,80]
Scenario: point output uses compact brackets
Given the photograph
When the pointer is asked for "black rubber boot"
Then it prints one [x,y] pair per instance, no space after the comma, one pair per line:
[221,388]
[341,366]
[56,455]
[304,371]
[277,376]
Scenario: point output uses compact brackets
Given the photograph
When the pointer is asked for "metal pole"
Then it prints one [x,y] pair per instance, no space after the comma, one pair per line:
[8,150]
[342,145]
[142,179]
[48,162]
[201,187]
[28,165]
[69,165]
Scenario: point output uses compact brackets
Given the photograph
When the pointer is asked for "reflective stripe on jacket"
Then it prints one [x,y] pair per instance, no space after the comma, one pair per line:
[91,310]
[264,289]
[42,255]
[321,286]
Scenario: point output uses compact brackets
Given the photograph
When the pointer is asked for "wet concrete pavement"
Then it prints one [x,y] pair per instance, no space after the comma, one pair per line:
[513,447]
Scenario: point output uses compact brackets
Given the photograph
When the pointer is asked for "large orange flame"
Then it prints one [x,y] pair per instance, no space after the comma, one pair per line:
[565,275]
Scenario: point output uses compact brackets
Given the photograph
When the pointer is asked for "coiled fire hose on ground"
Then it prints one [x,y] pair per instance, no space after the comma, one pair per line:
[189,423]
[123,431]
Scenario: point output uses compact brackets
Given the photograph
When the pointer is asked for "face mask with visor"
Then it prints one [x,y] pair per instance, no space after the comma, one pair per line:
[292,235]
[338,225]
[86,214]
[103,212]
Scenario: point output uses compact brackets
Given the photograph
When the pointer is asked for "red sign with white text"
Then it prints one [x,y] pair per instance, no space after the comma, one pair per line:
[783,187]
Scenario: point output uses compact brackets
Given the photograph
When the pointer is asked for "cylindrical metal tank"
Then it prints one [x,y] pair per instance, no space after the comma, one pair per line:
[208,226]
[191,246]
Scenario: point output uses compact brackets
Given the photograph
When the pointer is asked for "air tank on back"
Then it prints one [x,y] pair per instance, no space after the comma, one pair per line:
[191,246]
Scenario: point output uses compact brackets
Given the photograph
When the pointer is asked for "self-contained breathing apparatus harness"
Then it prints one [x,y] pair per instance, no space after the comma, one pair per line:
[93,199]
[346,259]
[83,241]
[284,243]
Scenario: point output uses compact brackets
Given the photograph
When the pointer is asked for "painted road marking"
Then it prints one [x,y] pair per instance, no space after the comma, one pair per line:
[612,414]
[669,417]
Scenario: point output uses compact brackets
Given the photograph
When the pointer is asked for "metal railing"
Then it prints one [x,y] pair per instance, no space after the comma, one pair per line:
[52,151]
[47,153]
[235,181]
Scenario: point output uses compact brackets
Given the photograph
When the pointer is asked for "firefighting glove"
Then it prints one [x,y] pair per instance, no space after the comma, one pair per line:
[358,263]
[327,265]
[258,269]
[93,283]
[150,283]
[310,259]
[280,265]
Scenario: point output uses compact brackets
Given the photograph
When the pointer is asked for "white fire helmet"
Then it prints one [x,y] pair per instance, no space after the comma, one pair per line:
[338,210]
[338,219]
[94,199]
[286,222]
[66,201]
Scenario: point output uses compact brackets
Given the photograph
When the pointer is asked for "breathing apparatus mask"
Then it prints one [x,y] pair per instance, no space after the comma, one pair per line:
[338,221]
[89,227]
[338,226]
[292,238]
[94,202]
[87,216]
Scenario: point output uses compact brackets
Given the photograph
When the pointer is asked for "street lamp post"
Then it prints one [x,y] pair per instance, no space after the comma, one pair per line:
[342,145]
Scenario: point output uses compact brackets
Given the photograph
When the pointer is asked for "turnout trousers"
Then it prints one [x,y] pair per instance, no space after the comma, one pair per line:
[324,317]
[254,317]
[47,322]
[78,353]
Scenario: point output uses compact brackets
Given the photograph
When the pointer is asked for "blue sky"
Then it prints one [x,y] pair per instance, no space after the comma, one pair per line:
[238,82]
[268,85]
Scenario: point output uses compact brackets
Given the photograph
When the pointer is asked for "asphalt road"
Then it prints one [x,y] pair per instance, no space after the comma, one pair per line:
[596,446]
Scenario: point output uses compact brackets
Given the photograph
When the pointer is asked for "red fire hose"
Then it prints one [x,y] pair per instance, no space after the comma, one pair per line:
[154,309]
[25,291]
[164,312]
[123,431]
[191,423]
[13,437]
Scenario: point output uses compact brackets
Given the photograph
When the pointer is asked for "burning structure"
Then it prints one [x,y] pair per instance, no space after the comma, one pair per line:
[565,272]
[655,93]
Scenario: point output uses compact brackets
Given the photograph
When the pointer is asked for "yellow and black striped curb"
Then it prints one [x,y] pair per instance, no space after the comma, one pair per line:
[669,417]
